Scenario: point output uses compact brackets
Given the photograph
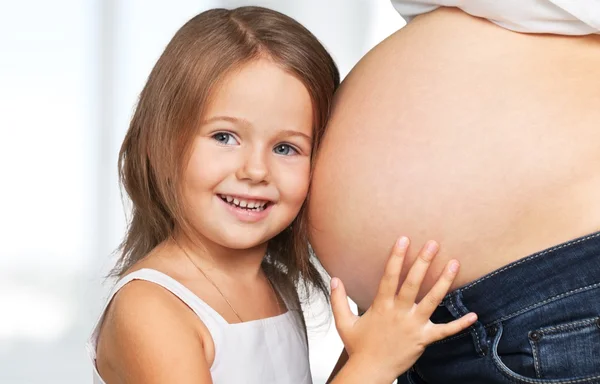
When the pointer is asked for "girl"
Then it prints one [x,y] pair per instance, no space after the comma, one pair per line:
[217,162]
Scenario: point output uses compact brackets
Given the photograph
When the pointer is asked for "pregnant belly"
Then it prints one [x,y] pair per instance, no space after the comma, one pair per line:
[457,130]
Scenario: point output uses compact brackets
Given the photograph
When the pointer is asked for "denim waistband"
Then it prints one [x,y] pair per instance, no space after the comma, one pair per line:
[545,276]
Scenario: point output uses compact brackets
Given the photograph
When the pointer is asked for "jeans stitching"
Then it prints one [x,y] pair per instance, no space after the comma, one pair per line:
[533,257]
[519,312]
[454,307]
[553,298]
[460,335]
[536,359]
[473,330]
[569,327]
[419,373]
[521,379]
[478,341]
[555,329]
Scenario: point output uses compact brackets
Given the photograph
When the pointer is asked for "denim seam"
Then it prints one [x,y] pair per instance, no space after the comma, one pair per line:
[507,317]
[550,330]
[460,335]
[493,354]
[533,257]
[478,342]
[517,379]
[419,373]
[569,327]
[521,379]
[453,306]
[505,375]
[556,329]
[473,329]
[536,359]
[553,298]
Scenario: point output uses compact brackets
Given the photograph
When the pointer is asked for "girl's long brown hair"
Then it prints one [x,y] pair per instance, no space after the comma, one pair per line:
[156,147]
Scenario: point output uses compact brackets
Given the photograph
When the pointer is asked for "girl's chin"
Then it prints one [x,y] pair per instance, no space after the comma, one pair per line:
[243,241]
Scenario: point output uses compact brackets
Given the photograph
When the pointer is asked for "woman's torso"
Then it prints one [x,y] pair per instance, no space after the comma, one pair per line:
[458,130]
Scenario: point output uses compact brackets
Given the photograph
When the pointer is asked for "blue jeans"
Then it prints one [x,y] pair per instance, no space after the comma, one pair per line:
[539,322]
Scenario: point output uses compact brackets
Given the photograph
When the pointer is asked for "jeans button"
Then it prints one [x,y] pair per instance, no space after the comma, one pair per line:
[493,331]
[535,336]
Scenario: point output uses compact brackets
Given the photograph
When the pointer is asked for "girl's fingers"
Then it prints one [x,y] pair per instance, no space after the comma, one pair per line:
[412,283]
[435,296]
[388,286]
[344,318]
[442,331]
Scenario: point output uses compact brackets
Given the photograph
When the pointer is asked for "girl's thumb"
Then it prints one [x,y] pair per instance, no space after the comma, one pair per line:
[342,314]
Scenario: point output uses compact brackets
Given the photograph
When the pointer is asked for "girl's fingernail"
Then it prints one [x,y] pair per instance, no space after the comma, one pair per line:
[432,246]
[454,267]
[334,283]
[403,242]
[472,317]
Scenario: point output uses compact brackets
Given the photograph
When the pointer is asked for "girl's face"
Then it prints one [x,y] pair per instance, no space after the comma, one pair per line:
[248,173]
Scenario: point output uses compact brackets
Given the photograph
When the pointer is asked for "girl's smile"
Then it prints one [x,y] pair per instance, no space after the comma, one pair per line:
[248,209]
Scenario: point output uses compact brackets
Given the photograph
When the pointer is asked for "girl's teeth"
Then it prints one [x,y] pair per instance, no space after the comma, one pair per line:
[250,205]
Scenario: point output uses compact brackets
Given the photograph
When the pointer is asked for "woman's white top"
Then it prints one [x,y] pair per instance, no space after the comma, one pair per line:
[563,17]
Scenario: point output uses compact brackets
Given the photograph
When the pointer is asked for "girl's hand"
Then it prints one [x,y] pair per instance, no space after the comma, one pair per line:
[391,335]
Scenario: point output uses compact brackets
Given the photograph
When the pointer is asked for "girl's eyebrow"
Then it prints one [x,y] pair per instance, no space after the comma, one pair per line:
[290,132]
[235,120]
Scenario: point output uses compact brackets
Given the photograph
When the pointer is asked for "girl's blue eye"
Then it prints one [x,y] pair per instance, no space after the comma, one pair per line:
[225,138]
[285,150]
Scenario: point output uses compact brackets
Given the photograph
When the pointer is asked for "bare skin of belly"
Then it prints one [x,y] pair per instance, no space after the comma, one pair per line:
[457,130]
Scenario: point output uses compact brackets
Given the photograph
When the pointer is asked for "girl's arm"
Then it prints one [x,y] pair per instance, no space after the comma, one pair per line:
[148,337]
[338,366]
[390,336]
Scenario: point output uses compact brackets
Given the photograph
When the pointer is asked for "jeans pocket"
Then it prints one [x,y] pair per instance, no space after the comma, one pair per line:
[571,347]
[562,354]
[413,377]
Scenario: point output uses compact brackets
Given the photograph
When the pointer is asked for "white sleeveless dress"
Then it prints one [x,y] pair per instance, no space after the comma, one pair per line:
[271,350]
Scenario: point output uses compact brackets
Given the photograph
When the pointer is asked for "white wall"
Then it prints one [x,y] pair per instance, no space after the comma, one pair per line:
[70,72]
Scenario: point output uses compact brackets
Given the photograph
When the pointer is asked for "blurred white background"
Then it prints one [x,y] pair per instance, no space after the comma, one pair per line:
[70,73]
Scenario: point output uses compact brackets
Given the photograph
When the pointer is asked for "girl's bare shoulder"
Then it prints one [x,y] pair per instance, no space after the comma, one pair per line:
[146,331]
